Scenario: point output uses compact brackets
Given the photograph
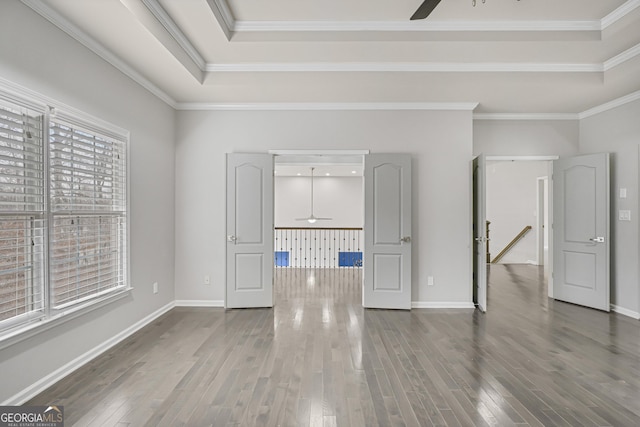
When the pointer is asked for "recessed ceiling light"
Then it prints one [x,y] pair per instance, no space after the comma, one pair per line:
[299,174]
[327,174]
[353,172]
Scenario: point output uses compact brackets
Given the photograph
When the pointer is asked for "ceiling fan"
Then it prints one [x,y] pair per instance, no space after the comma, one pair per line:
[311,218]
[425,9]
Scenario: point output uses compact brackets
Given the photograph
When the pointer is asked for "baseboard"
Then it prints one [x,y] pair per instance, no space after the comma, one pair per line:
[199,303]
[55,376]
[437,304]
[625,312]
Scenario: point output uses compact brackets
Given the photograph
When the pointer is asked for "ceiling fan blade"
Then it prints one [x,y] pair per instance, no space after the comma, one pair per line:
[425,9]
[314,219]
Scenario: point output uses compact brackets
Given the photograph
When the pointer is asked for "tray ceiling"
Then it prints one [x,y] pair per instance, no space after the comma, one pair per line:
[509,56]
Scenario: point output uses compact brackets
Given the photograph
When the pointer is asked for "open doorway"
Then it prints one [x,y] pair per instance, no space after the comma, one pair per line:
[518,205]
[516,210]
[318,225]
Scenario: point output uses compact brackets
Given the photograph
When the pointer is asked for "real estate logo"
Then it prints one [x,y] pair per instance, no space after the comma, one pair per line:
[31,416]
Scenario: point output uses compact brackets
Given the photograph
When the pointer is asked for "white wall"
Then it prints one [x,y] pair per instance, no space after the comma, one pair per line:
[617,131]
[440,143]
[511,205]
[525,137]
[338,198]
[71,74]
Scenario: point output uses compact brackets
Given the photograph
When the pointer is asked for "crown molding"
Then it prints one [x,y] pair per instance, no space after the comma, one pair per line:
[93,45]
[622,57]
[416,26]
[229,25]
[525,116]
[172,28]
[411,67]
[635,96]
[327,106]
[155,20]
[222,13]
[619,13]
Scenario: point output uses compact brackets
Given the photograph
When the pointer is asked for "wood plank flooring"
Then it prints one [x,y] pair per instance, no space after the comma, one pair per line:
[318,359]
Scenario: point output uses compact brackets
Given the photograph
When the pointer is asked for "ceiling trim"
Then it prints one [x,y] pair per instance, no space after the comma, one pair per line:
[227,21]
[93,45]
[525,116]
[321,106]
[416,26]
[619,13]
[172,28]
[223,15]
[635,96]
[410,67]
[156,21]
[622,57]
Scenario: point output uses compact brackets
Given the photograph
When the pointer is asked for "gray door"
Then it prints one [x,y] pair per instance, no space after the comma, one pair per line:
[581,230]
[387,231]
[479,233]
[249,231]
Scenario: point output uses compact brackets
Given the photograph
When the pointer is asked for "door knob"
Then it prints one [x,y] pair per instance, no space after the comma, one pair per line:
[597,239]
[406,239]
[231,238]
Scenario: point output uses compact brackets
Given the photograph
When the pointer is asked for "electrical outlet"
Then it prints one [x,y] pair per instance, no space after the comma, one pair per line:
[207,280]
[430,281]
[624,215]
[155,287]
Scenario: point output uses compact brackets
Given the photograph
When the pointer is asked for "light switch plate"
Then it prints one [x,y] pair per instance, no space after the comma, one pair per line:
[624,215]
[623,193]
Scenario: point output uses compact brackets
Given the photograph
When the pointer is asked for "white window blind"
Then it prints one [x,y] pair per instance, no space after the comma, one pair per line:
[22,216]
[63,210]
[88,205]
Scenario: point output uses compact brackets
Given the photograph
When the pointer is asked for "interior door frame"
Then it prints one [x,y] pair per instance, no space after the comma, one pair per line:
[549,202]
[479,239]
[541,212]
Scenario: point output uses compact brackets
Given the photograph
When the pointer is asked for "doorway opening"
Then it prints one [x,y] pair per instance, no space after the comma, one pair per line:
[318,225]
[386,257]
[518,210]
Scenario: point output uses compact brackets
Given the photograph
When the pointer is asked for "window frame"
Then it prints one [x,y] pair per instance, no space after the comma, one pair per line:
[13,329]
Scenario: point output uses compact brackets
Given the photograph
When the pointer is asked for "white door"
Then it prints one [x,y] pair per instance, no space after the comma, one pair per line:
[249,231]
[581,230]
[479,233]
[387,231]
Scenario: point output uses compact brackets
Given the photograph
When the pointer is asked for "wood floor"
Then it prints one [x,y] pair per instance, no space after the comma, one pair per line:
[319,359]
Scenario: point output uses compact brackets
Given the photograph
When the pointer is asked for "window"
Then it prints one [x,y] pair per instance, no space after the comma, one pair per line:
[63,213]
[88,205]
[22,215]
